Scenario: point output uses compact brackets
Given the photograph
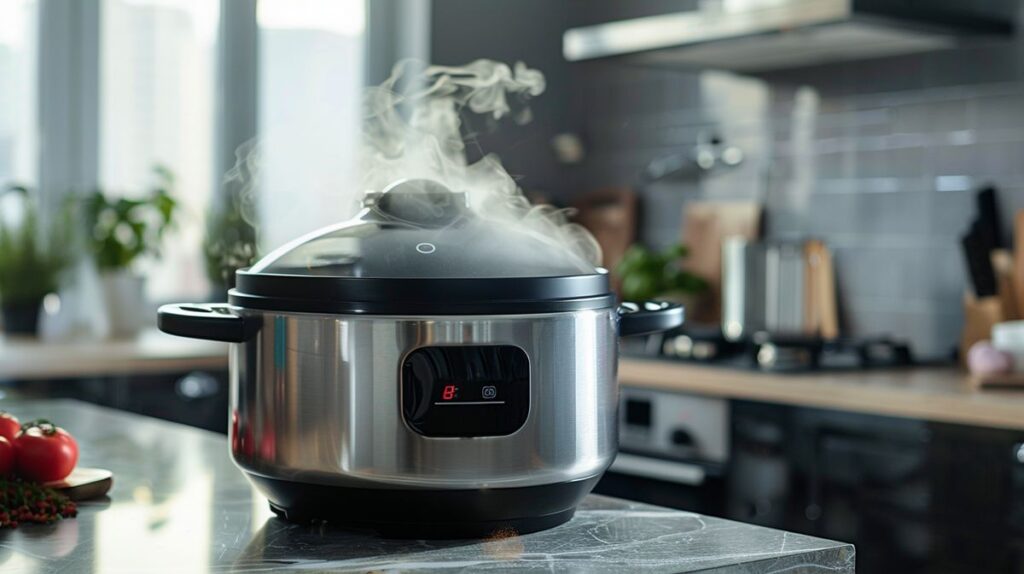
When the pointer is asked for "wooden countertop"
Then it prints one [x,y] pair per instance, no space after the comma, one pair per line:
[152,352]
[931,393]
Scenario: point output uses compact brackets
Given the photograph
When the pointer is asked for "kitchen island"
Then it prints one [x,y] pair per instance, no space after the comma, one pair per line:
[179,505]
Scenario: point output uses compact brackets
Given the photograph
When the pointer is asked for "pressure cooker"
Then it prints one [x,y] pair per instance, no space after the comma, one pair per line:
[423,369]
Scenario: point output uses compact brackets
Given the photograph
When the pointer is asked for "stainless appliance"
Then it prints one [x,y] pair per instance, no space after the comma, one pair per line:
[673,450]
[670,436]
[423,370]
[758,35]
[763,288]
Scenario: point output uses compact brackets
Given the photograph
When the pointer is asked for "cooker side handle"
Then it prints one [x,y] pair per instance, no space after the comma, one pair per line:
[212,321]
[649,317]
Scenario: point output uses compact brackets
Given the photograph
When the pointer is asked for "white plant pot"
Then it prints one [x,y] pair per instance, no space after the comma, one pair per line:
[124,300]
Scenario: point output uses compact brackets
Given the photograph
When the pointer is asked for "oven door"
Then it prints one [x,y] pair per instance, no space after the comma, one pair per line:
[686,485]
[673,450]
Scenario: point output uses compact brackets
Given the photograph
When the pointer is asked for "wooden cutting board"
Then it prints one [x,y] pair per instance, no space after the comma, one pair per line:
[706,224]
[999,381]
[84,483]
[821,315]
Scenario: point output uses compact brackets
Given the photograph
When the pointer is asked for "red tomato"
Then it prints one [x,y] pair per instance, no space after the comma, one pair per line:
[6,457]
[9,426]
[44,452]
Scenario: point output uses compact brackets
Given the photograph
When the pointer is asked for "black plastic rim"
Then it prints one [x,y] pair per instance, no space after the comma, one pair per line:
[420,296]
[427,513]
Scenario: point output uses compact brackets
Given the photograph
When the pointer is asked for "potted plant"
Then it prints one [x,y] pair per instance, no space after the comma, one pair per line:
[118,232]
[229,245]
[31,262]
[648,274]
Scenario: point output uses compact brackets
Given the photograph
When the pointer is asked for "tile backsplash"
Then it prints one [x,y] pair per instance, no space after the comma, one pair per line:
[878,158]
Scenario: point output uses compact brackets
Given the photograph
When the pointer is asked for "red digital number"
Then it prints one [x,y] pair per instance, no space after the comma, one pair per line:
[448,393]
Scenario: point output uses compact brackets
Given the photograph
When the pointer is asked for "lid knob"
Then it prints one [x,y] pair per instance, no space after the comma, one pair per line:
[422,202]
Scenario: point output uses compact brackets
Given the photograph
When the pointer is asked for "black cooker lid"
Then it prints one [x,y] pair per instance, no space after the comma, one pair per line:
[418,248]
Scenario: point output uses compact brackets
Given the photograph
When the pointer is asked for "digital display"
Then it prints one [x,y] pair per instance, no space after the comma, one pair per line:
[449,392]
[466,391]
[469,394]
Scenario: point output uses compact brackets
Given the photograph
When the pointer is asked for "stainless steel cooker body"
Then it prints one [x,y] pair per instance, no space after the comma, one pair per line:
[423,370]
[317,399]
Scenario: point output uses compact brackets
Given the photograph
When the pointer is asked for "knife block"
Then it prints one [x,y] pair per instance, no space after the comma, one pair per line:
[980,314]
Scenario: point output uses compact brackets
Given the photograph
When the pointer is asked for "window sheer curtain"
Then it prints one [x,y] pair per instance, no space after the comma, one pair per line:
[315,59]
[19,134]
[157,100]
[311,78]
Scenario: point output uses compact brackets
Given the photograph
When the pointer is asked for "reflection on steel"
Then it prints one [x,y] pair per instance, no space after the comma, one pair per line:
[318,400]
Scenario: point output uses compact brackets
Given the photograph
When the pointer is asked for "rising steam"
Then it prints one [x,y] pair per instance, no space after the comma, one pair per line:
[412,129]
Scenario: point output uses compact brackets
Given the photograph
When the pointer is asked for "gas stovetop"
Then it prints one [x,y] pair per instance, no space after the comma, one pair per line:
[771,352]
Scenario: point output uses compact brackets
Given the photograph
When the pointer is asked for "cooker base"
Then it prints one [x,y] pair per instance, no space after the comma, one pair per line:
[403,513]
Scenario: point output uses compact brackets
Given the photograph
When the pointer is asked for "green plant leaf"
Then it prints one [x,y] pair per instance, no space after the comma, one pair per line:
[230,243]
[32,257]
[146,220]
[646,274]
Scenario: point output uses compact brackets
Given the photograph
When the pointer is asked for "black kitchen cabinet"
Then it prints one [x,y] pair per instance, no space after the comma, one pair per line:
[197,398]
[913,496]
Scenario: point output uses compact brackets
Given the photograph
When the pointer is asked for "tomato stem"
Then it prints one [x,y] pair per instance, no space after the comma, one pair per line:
[47,427]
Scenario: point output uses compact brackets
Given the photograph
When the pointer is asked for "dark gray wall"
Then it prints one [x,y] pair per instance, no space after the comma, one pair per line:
[523,30]
[879,158]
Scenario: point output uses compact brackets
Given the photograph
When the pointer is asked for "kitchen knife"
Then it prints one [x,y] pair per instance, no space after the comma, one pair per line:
[979,263]
[987,222]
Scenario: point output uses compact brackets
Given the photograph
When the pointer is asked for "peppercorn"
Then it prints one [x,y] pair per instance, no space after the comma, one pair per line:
[23,502]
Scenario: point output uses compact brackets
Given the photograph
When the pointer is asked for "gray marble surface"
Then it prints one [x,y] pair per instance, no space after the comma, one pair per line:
[179,505]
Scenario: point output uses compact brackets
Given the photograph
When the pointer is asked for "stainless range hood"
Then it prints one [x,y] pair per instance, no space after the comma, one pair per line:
[760,35]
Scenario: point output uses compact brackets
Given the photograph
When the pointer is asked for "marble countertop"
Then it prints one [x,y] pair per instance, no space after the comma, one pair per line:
[179,505]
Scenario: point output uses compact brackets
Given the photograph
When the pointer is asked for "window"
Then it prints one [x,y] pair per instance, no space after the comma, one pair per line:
[18,135]
[311,81]
[158,64]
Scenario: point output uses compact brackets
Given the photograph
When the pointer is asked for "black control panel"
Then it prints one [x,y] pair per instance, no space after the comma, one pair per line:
[466,391]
